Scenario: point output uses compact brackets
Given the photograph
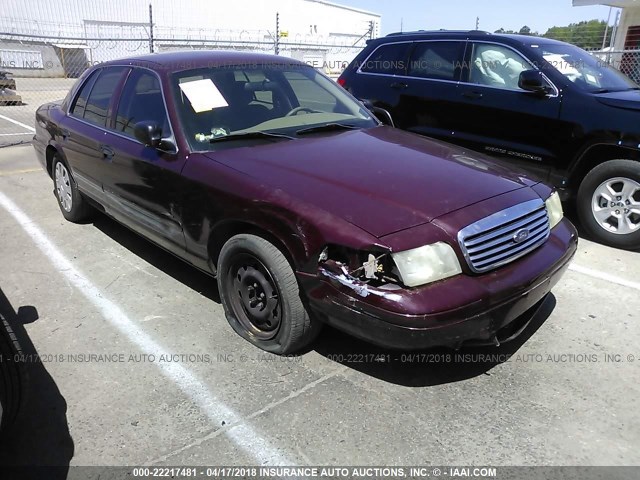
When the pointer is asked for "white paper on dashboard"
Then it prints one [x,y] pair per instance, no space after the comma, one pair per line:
[203,95]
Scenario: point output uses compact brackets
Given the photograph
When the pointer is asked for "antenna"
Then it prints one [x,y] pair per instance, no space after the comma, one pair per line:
[477,23]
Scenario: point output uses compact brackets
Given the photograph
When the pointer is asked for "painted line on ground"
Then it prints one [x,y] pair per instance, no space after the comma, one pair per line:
[14,134]
[18,172]
[604,276]
[23,125]
[242,435]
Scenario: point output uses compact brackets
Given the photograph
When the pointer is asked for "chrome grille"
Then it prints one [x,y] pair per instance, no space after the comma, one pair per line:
[505,236]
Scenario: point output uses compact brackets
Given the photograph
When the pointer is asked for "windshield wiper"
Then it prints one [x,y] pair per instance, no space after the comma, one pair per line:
[328,127]
[251,136]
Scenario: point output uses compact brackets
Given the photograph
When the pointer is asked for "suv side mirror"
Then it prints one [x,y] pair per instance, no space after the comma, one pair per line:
[533,81]
[149,133]
[380,113]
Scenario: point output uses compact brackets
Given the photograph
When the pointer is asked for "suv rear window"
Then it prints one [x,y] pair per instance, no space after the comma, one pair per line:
[438,60]
[387,59]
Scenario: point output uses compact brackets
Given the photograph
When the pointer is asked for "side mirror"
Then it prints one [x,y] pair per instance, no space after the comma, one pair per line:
[149,133]
[380,113]
[533,81]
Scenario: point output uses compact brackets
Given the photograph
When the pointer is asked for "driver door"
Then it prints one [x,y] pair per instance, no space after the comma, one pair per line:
[500,118]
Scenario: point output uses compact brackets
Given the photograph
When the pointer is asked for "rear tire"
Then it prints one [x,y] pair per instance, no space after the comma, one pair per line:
[609,203]
[12,377]
[72,204]
[261,297]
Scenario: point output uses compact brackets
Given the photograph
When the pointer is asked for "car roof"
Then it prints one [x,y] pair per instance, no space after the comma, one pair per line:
[191,59]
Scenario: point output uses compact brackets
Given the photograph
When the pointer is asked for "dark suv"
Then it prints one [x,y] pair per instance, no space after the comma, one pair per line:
[544,105]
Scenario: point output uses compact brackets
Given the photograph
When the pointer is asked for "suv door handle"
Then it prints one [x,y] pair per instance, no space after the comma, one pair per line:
[399,85]
[107,152]
[472,95]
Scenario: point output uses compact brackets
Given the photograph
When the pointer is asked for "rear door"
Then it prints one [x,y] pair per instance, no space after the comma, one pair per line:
[501,118]
[429,94]
[83,131]
[142,184]
[381,76]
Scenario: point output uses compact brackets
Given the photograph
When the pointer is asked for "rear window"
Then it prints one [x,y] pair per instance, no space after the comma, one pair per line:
[97,106]
[80,103]
[437,60]
[387,59]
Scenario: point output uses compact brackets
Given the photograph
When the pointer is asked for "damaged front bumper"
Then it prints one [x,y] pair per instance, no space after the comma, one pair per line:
[484,309]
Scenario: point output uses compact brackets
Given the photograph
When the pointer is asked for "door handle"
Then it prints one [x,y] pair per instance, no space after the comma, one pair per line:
[399,85]
[472,95]
[107,152]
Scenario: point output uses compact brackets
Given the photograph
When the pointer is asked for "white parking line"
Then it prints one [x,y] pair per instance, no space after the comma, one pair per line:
[14,134]
[23,125]
[245,437]
[604,276]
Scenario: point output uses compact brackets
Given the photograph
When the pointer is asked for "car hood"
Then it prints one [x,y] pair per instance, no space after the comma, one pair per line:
[381,179]
[628,99]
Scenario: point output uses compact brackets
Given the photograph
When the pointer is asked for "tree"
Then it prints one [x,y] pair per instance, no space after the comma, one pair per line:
[525,31]
[588,35]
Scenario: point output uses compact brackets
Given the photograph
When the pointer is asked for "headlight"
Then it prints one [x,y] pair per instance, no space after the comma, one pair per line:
[427,264]
[554,209]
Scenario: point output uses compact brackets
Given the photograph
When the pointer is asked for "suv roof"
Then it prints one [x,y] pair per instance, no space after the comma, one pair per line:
[422,34]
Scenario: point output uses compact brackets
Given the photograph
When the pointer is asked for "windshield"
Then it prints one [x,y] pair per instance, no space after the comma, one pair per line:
[587,71]
[240,101]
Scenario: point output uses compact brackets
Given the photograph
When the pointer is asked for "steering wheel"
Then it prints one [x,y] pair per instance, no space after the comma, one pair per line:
[297,110]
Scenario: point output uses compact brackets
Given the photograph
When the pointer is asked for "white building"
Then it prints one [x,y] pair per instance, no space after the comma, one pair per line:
[628,33]
[47,37]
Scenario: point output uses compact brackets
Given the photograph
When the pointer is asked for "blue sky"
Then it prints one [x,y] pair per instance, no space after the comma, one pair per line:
[461,14]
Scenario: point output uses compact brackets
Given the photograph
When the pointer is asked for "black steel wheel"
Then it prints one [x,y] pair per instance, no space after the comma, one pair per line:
[261,297]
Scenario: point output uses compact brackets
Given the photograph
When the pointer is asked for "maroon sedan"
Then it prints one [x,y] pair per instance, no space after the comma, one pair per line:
[267,175]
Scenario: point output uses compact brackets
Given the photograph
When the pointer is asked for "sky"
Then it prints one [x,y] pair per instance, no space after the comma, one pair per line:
[461,14]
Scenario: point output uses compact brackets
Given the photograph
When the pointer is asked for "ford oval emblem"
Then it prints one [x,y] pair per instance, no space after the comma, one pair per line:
[521,235]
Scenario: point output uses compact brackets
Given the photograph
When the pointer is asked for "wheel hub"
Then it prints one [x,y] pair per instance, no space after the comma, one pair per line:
[63,186]
[616,205]
[256,301]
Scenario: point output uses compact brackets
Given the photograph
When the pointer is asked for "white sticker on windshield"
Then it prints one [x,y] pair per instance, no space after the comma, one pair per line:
[203,95]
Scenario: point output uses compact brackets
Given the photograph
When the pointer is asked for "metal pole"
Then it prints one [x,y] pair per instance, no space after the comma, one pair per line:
[150,28]
[614,32]
[276,46]
[606,30]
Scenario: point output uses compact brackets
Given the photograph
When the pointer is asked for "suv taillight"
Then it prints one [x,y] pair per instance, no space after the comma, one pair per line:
[342,81]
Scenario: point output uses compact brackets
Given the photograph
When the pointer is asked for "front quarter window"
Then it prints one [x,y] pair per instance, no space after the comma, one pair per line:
[245,102]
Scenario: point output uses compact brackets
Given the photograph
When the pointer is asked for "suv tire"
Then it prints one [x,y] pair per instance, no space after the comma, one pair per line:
[609,203]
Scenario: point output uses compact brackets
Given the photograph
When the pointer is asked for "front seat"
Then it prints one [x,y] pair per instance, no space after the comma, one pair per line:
[242,113]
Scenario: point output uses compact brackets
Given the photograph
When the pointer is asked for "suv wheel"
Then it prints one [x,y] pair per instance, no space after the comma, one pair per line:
[609,203]
[260,296]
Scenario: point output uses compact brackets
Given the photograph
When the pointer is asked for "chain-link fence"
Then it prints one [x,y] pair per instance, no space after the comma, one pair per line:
[46,45]
[45,56]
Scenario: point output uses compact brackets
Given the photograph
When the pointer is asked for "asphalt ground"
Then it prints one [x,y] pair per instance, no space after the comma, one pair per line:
[101,306]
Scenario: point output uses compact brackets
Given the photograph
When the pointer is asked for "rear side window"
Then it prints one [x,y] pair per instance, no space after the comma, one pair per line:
[437,60]
[98,102]
[387,59]
[141,100]
[80,103]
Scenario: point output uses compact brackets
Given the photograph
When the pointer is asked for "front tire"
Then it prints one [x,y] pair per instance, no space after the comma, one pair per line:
[261,297]
[71,202]
[609,203]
